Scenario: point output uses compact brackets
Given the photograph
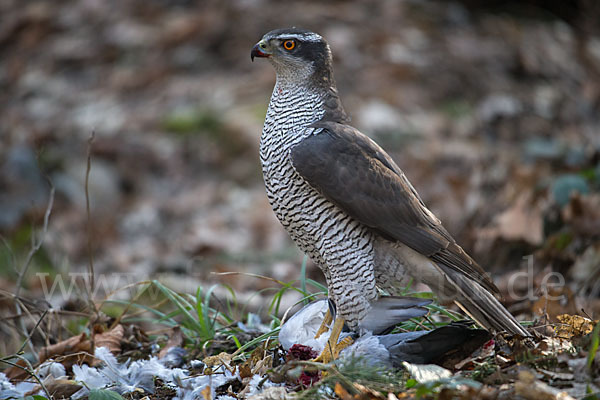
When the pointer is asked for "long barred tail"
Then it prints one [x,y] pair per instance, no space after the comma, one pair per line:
[481,305]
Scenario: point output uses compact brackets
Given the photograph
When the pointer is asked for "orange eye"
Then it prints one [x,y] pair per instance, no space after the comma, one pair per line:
[289,45]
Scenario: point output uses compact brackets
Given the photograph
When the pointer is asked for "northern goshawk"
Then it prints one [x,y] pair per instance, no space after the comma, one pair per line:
[347,204]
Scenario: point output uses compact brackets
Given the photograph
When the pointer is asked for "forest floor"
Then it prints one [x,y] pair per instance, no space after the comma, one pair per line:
[133,215]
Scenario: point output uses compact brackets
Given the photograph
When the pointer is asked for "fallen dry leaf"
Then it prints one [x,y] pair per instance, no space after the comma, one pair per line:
[258,362]
[364,393]
[61,388]
[530,388]
[74,344]
[244,370]
[263,365]
[76,349]
[574,325]
[110,339]
[368,392]
[220,359]
[341,392]
[554,345]
[18,372]
[175,340]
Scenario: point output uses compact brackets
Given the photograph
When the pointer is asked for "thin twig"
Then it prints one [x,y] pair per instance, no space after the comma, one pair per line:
[29,370]
[35,246]
[432,322]
[586,314]
[29,314]
[32,331]
[89,223]
[419,323]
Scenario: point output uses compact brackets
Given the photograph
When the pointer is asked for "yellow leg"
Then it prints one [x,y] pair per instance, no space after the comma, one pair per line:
[333,348]
[324,325]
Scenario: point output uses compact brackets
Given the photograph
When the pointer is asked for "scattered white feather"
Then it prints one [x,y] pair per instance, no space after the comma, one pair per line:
[190,388]
[174,358]
[253,324]
[424,373]
[255,381]
[369,349]
[10,391]
[128,376]
[51,369]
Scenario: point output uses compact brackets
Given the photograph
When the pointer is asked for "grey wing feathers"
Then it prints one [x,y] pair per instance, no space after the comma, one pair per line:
[388,311]
[425,346]
[358,176]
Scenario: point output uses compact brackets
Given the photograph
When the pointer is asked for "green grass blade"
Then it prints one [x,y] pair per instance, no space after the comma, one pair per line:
[595,342]
[183,305]
[436,309]
[303,277]
[257,340]
[319,286]
[160,314]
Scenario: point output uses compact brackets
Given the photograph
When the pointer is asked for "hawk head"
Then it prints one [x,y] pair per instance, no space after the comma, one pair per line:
[296,54]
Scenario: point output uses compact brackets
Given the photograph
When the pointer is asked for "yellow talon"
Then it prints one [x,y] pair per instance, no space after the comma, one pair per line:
[333,348]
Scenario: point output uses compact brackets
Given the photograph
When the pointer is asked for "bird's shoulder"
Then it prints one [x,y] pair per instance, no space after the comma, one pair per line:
[337,151]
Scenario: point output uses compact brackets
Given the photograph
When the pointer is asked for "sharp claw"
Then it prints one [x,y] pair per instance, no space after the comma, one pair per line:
[330,354]
[332,347]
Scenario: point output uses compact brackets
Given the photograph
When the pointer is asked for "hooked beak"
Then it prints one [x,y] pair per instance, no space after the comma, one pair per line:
[259,50]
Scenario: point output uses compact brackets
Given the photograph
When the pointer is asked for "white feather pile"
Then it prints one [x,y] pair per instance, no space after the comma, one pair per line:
[51,369]
[126,377]
[10,391]
[130,375]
